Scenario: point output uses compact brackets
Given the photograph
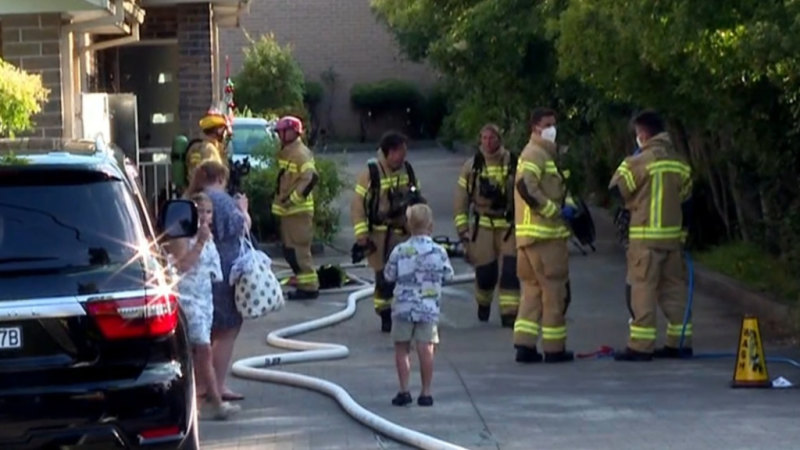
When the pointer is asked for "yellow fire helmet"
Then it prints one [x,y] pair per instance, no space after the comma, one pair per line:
[213,119]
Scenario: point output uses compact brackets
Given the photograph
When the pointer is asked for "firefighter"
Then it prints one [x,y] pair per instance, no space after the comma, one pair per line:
[383,191]
[485,186]
[540,213]
[294,205]
[655,186]
[217,131]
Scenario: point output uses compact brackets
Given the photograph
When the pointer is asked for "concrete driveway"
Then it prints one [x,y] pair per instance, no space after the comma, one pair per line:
[486,400]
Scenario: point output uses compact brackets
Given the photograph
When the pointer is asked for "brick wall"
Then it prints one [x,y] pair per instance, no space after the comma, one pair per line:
[31,42]
[195,63]
[342,34]
[160,23]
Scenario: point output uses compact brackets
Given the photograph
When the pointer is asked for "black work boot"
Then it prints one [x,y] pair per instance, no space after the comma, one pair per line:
[672,352]
[527,354]
[557,357]
[302,294]
[632,355]
[386,320]
[483,312]
[507,320]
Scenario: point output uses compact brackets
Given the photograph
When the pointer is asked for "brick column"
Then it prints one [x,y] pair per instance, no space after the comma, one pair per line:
[195,67]
[31,42]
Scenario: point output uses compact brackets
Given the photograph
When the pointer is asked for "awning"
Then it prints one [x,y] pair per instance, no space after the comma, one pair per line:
[226,12]
[50,6]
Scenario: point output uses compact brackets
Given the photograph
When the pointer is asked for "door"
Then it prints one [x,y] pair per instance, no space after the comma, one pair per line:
[151,71]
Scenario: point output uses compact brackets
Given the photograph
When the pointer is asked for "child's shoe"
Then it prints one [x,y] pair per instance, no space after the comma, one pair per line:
[402,399]
[425,400]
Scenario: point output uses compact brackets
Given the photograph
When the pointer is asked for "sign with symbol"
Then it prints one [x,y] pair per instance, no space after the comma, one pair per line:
[751,366]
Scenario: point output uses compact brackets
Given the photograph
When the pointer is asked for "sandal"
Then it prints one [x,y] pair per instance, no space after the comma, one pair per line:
[232,397]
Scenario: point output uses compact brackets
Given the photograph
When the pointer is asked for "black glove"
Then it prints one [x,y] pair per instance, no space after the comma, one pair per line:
[359,252]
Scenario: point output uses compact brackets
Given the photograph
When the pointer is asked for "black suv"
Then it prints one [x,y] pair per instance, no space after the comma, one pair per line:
[93,347]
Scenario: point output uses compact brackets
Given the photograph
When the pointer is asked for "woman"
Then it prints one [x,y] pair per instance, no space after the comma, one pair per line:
[231,222]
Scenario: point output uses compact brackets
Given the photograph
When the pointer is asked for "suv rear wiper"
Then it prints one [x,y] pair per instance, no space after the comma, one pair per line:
[13,259]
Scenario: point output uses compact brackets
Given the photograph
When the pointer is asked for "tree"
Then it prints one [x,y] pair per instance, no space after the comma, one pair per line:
[726,74]
[495,55]
[270,78]
[21,96]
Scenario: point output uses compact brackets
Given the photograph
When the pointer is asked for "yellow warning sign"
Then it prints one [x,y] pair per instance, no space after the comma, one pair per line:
[751,366]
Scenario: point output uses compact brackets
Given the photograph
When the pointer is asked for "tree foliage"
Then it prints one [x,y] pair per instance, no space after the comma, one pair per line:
[726,74]
[21,96]
[270,77]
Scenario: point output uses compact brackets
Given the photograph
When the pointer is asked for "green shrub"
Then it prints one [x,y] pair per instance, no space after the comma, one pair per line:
[752,266]
[11,159]
[259,185]
[312,94]
[433,113]
[385,96]
[270,77]
[21,96]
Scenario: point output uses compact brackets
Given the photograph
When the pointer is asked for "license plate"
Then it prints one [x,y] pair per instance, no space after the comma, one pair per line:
[10,338]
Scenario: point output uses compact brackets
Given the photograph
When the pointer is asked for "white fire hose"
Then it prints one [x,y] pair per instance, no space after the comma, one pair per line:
[257,367]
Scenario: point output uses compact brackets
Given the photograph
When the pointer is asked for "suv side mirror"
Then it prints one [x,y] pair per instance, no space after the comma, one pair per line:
[178,219]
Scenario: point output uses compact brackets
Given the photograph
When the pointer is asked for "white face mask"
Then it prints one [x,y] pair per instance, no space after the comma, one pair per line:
[639,142]
[549,134]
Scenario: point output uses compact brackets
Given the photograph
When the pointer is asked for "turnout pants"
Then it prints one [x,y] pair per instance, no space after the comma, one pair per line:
[297,231]
[384,291]
[657,278]
[543,270]
[495,262]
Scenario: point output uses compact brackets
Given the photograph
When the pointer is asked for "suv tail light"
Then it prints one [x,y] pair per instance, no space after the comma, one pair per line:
[151,316]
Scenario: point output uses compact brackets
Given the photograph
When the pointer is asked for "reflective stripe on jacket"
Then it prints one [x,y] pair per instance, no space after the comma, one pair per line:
[204,150]
[495,169]
[654,183]
[538,195]
[296,180]
[394,180]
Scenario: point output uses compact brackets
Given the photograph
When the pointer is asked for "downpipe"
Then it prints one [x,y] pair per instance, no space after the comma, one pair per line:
[259,368]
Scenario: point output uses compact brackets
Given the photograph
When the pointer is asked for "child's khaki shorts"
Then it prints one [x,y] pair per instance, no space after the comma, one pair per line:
[403,331]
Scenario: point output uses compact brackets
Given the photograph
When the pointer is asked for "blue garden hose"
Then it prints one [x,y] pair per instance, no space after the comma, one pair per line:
[688,313]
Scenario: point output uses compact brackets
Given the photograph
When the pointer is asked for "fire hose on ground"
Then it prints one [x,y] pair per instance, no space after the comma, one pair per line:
[258,367]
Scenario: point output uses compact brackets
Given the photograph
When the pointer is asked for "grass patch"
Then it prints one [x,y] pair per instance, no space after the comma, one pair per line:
[753,267]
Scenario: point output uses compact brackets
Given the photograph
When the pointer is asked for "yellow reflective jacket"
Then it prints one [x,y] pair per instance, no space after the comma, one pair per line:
[392,182]
[495,170]
[297,177]
[539,194]
[203,150]
[654,184]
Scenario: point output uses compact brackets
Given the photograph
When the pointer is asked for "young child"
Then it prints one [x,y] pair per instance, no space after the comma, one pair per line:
[198,261]
[418,267]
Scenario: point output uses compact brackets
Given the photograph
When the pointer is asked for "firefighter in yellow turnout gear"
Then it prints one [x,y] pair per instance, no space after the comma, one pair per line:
[216,131]
[656,186]
[383,191]
[484,221]
[540,210]
[294,205]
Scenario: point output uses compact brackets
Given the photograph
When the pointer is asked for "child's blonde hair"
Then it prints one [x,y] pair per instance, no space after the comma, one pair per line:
[201,197]
[419,219]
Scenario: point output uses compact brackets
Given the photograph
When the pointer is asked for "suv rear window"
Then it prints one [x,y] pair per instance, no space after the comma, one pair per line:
[64,219]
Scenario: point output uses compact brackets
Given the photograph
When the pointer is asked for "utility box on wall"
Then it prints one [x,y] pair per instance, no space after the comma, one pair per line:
[95,116]
[114,118]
